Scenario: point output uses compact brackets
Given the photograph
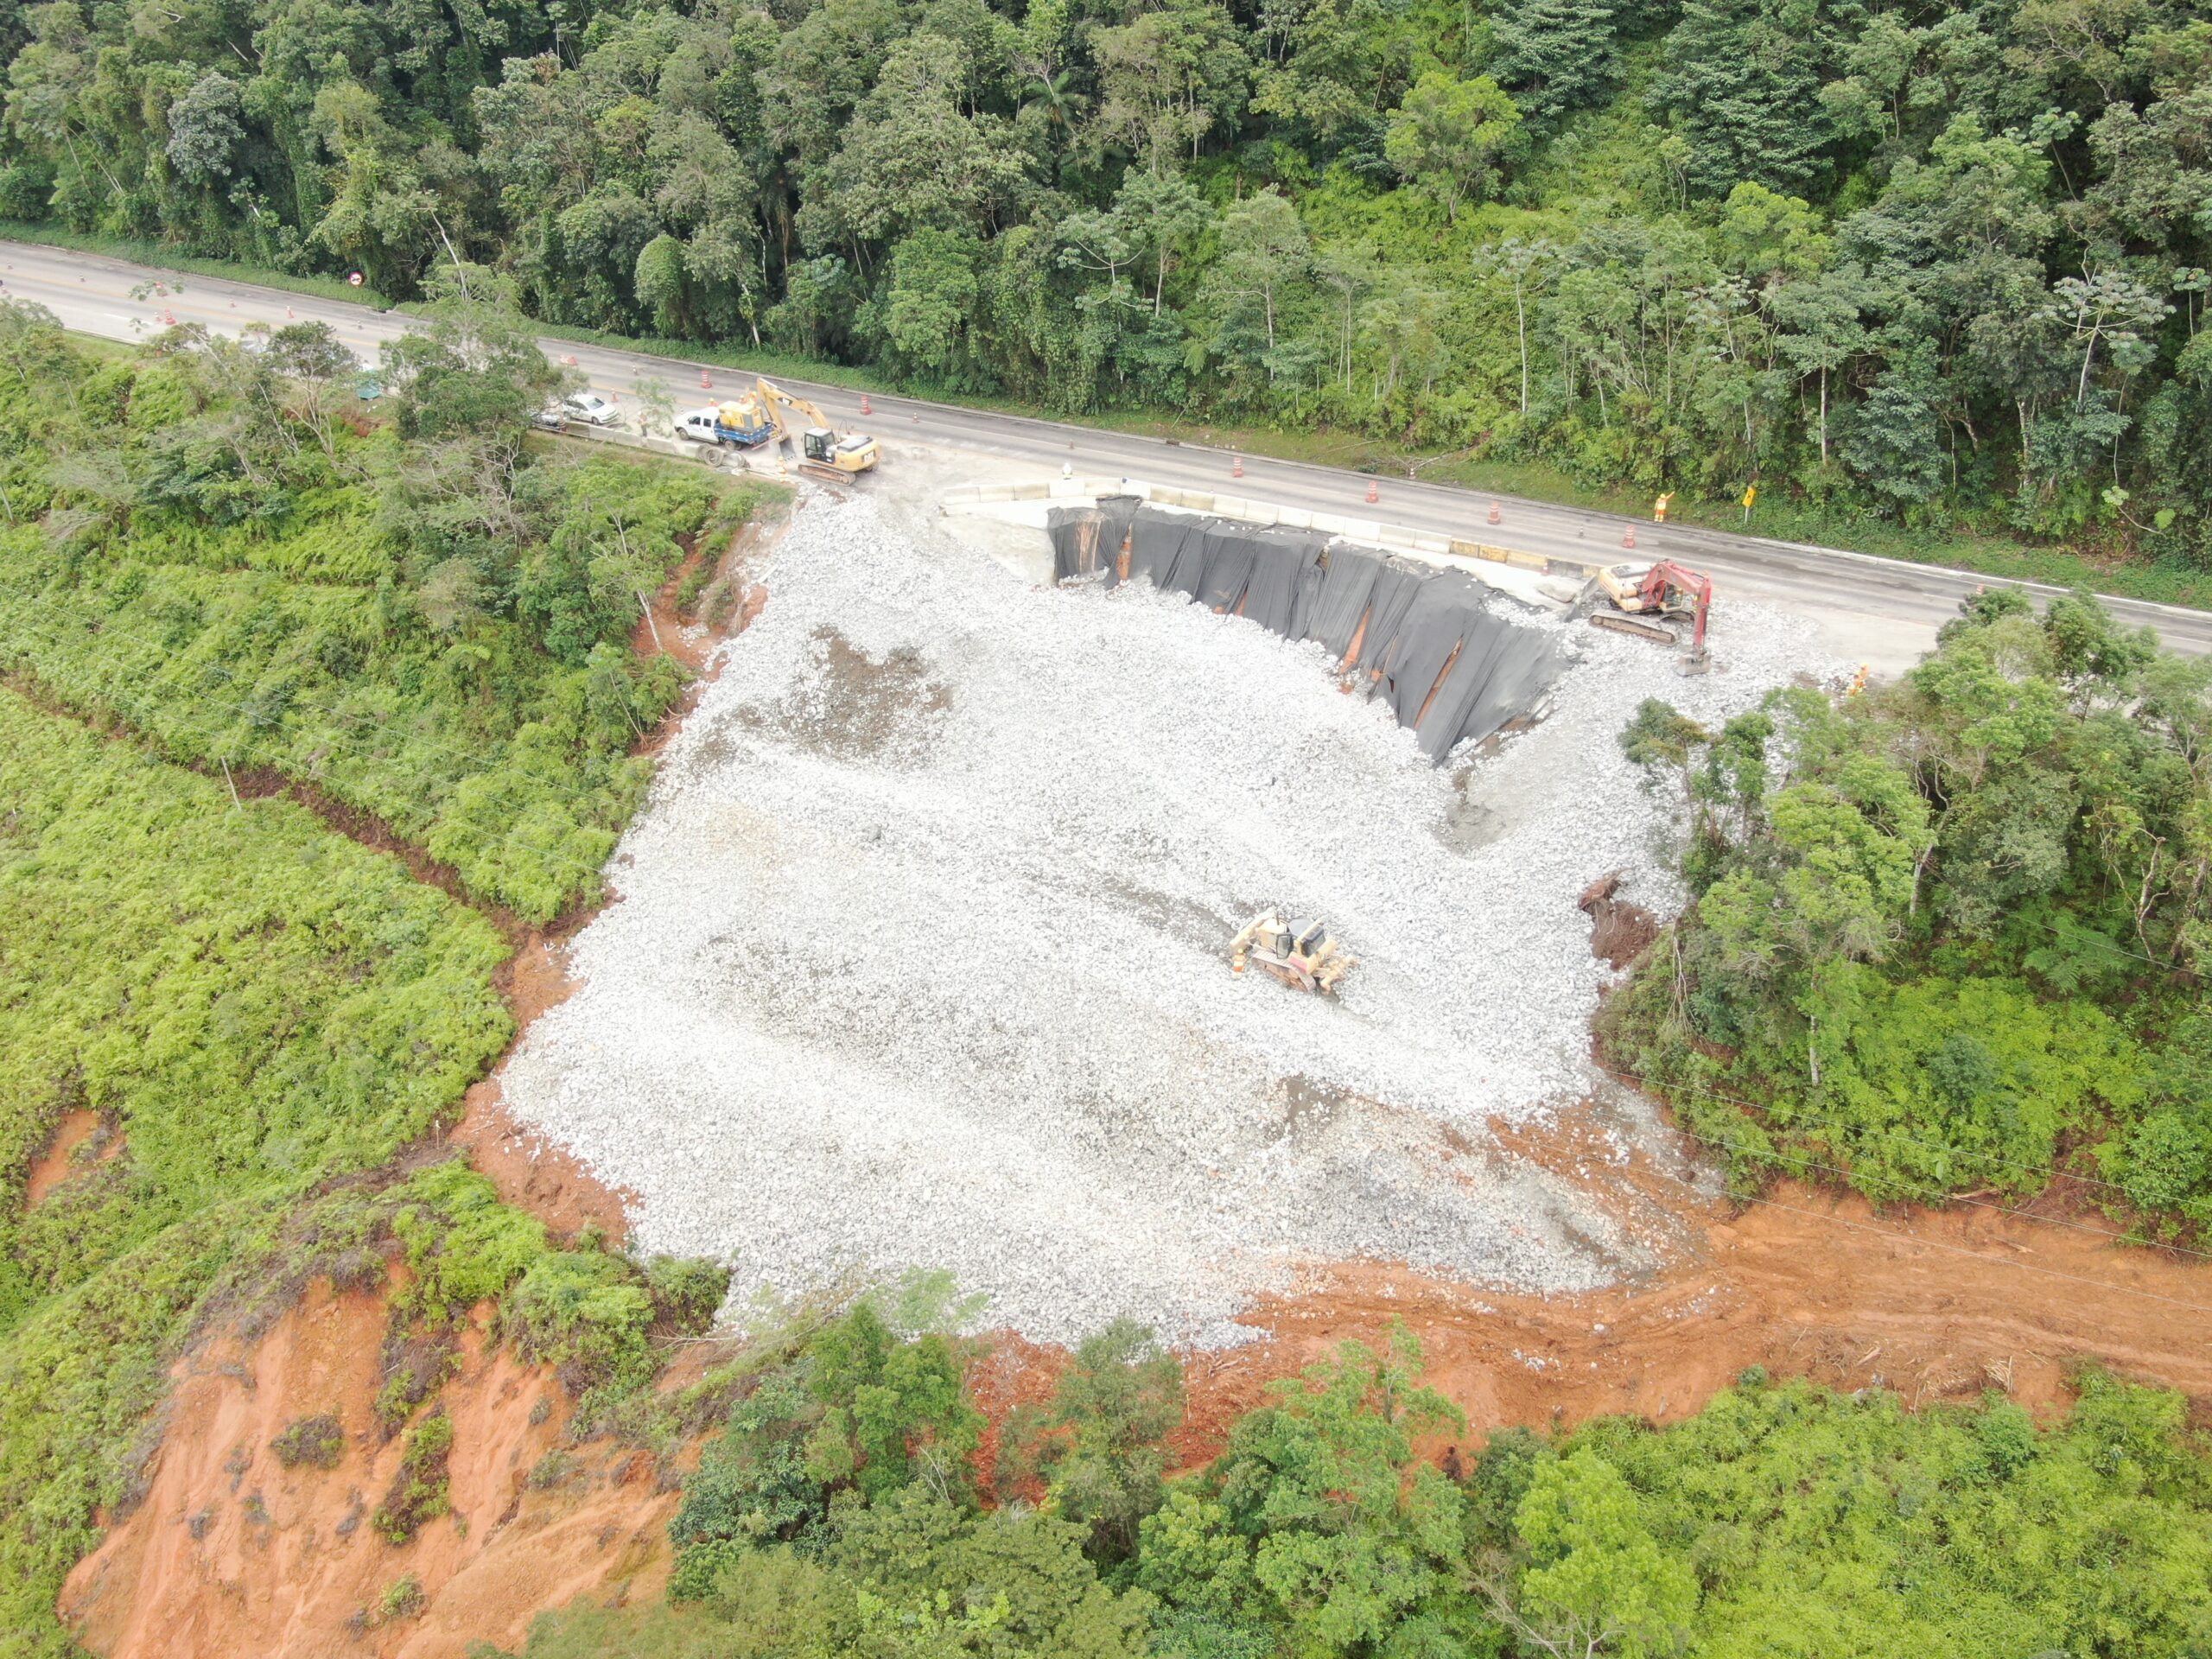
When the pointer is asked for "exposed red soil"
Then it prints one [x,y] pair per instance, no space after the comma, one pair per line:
[1933,1305]
[528,1171]
[533,1174]
[60,1160]
[1619,932]
[232,1554]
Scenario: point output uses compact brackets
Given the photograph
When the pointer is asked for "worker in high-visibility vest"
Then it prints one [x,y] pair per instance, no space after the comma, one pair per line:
[1659,508]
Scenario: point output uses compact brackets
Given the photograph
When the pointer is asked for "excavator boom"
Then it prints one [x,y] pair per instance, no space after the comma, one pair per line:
[822,452]
[1666,577]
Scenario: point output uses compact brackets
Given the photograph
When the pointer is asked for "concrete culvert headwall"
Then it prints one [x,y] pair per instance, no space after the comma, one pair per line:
[1444,651]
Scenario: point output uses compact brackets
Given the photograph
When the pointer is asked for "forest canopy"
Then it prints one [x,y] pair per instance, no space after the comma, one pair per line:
[845,1511]
[1922,261]
[1951,934]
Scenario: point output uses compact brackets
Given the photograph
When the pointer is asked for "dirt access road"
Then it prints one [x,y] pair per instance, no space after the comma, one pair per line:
[1883,610]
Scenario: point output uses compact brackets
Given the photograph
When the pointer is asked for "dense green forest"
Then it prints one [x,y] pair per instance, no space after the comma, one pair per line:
[1919,260]
[1951,932]
[427,618]
[839,1516]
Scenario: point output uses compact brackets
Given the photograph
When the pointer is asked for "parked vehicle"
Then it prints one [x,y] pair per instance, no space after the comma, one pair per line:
[741,422]
[591,408]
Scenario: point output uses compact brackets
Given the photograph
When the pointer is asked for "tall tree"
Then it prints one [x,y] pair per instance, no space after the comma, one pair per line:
[1451,136]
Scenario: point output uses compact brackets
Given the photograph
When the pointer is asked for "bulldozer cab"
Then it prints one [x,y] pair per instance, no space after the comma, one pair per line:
[819,443]
[1301,953]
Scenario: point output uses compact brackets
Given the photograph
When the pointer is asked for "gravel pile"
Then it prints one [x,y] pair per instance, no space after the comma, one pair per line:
[920,954]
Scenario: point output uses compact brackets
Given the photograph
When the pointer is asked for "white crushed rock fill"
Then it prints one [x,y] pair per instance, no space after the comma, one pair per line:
[920,954]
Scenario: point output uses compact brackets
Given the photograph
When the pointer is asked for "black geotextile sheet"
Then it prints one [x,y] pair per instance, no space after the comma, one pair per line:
[1088,539]
[1254,570]
[1441,647]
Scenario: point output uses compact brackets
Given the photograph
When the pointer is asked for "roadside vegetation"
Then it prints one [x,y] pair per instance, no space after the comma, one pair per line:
[426,618]
[1950,935]
[1930,268]
[218,575]
[842,1513]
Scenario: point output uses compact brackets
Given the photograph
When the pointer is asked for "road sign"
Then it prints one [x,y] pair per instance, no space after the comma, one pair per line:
[356,278]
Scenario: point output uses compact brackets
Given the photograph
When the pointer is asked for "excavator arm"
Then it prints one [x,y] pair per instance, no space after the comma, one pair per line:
[1667,576]
[778,400]
[842,457]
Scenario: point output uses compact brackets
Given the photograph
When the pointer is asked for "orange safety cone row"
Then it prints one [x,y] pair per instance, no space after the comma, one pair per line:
[1628,536]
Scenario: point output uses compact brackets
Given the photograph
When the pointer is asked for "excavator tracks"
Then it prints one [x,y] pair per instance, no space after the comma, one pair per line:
[1643,627]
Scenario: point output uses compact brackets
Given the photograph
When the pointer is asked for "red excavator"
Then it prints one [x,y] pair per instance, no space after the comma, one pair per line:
[1642,595]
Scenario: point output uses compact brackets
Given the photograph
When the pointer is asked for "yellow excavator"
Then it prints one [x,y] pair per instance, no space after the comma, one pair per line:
[822,452]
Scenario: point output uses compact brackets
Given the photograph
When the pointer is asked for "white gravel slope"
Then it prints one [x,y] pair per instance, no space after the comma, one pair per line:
[920,959]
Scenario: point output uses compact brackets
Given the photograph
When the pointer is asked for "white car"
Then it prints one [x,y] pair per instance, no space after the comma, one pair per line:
[591,408]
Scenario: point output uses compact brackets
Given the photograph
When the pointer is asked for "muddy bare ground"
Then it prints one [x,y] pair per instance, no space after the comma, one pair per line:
[231,1553]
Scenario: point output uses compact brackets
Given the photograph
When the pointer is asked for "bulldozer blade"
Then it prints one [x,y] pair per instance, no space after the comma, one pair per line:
[1643,627]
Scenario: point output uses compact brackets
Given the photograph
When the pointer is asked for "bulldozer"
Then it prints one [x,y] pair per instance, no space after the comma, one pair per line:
[1644,596]
[822,452]
[1302,954]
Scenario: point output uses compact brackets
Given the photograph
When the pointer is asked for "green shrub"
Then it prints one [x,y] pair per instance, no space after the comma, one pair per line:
[317,1442]
[555,1470]
[402,1599]
[419,1492]
[1782,1518]
[586,1315]
[687,1293]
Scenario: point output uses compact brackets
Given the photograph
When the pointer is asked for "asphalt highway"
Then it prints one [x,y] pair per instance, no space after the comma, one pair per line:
[1883,611]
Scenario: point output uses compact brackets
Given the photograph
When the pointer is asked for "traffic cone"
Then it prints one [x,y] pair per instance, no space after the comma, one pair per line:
[706,381]
[1628,536]
[1236,467]
[287,313]
[1496,513]
[1373,494]
[865,407]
